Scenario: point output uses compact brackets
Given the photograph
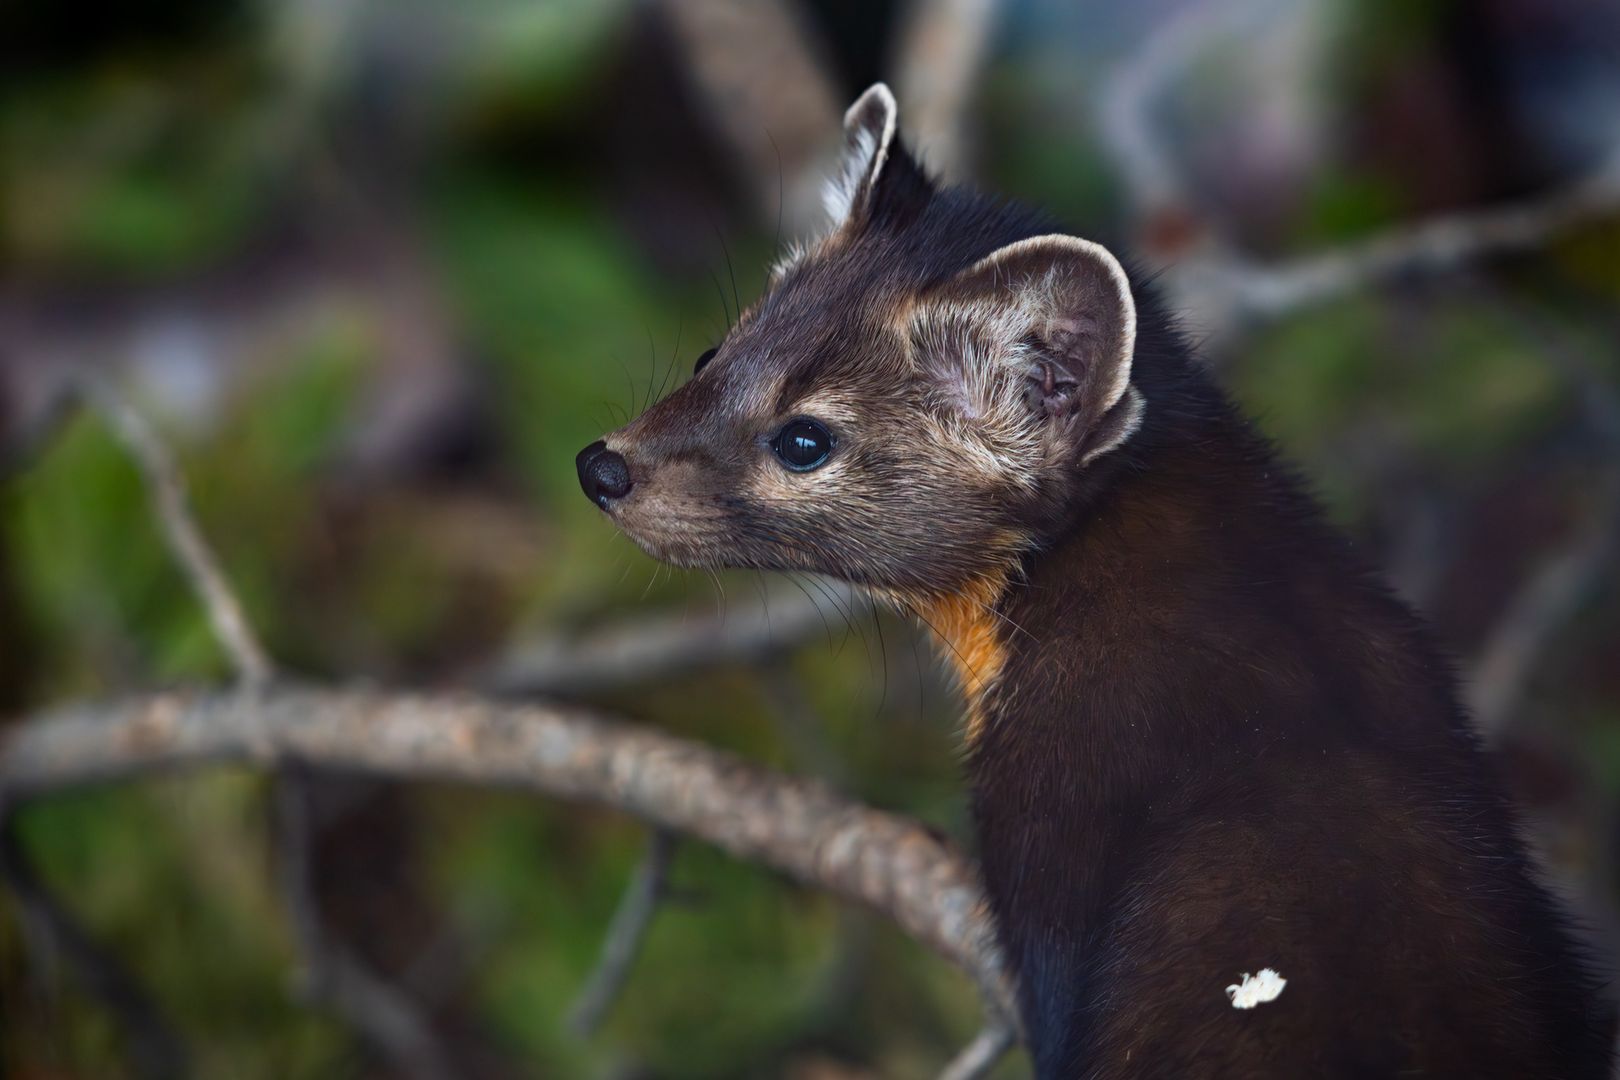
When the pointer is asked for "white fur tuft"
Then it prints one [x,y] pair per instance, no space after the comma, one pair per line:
[838,194]
[1256,989]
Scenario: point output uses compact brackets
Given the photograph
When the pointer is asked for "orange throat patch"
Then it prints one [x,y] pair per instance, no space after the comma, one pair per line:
[968,631]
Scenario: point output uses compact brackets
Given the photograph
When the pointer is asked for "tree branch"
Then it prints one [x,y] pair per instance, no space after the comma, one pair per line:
[169,503]
[798,827]
[1217,287]
[383,1014]
[1562,584]
[1436,245]
[387,1018]
[980,1056]
[943,45]
[625,934]
[656,648]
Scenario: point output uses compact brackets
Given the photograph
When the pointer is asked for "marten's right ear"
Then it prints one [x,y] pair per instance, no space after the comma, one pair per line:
[869,134]
[1057,311]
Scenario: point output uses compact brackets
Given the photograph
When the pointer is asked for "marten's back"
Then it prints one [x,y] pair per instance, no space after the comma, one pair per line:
[1412,940]
[1245,754]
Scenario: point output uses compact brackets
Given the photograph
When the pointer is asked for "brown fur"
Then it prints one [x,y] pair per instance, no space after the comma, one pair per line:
[1202,738]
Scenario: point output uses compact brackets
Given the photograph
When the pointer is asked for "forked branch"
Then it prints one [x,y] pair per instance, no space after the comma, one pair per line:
[798,827]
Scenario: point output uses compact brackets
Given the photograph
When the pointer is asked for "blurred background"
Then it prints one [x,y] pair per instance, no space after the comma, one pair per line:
[375,271]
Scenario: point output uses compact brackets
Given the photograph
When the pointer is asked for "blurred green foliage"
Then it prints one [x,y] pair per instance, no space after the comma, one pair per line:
[174,875]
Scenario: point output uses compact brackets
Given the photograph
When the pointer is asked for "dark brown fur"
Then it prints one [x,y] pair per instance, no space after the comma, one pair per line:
[1228,747]
[1206,740]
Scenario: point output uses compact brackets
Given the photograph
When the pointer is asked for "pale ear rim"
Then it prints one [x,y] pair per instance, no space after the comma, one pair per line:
[1135,407]
[880,95]
[869,132]
[1121,282]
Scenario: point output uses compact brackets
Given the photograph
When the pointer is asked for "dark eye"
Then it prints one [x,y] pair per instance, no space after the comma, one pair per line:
[703,361]
[802,444]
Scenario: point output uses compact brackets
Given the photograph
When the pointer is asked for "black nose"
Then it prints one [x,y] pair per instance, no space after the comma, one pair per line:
[602,473]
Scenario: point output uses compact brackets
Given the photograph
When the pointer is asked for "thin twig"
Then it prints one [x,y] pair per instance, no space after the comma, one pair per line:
[1438,244]
[1216,287]
[51,928]
[979,1057]
[382,1013]
[1563,583]
[626,932]
[796,826]
[1554,592]
[196,560]
[758,70]
[154,1049]
[943,46]
[657,648]
[1132,90]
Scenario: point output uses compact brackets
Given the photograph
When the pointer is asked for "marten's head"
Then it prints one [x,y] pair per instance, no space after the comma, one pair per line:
[912,404]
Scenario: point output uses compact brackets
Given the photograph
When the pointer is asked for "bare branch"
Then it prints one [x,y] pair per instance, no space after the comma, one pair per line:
[1439,244]
[625,934]
[1564,581]
[759,70]
[1132,90]
[1544,605]
[980,1056]
[658,648]
[1217,287]
[51,928]
[943,45]
[196,560]
[383,1014]
[1558,588]
[796,826]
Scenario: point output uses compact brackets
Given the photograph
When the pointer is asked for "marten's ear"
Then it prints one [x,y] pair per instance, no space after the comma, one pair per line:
[869,133]
[1058,311]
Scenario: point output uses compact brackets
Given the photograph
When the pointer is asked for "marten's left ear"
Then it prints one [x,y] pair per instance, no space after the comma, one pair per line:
[869,133]
[1063,312]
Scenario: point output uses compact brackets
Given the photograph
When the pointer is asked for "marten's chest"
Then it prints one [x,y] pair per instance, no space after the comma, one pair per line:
[969,634]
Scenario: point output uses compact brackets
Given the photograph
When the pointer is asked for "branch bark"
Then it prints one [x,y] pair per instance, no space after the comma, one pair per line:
[383,1014]
[795,826]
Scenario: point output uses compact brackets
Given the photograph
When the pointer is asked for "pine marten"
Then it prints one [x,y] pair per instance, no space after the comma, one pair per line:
[1231,819]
